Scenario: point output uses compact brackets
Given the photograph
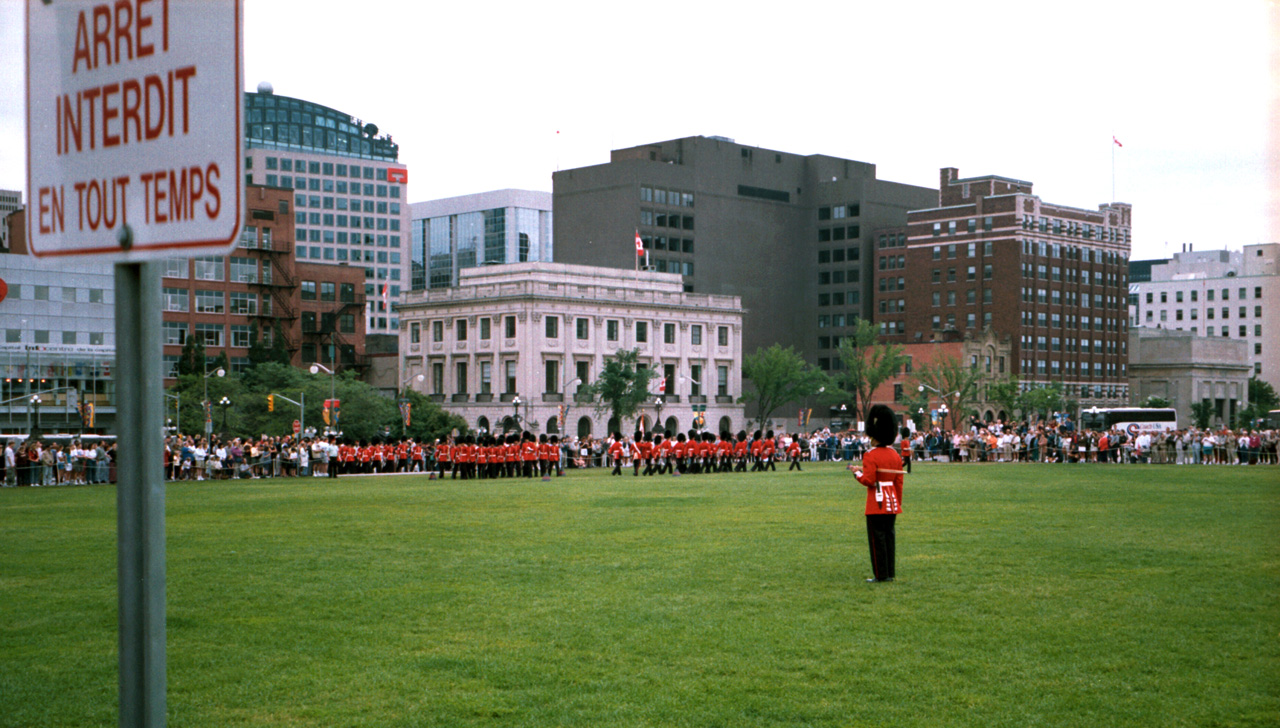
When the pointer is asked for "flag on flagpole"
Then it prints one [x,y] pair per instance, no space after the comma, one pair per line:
[639,245]
[385,305]
[1117,141]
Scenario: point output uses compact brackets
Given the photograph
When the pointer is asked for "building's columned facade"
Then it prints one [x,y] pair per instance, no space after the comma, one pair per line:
[1221,294]
[994,256]
[1185,368]
[536,332]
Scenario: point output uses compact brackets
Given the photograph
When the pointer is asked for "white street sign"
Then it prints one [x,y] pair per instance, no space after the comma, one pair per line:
[133,128]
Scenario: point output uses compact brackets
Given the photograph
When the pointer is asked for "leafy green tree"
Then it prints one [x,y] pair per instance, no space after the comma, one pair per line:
[867,364]
[428,421]
[622,386]
[1202,413]
[1005,392]
[1262,399]
[1262,394]
[1155,402]
[956,384]
[261,353]
[192,358]
[1044,400]
[778,376]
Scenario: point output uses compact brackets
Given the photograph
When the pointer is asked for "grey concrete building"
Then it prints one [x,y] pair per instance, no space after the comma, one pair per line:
[1186,368]
[523,338]
[790,234]
[1221,294]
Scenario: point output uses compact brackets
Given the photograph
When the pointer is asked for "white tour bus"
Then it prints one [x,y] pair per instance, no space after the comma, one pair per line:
[1130,420]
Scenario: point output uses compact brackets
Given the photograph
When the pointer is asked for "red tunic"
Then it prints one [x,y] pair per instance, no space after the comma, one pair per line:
[888,485]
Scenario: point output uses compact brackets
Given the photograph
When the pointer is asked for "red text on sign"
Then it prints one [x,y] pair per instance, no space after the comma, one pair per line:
[123,20]
[106,114]
[173,195]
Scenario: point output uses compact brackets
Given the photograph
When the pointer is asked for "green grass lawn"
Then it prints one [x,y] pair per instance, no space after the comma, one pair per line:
[1026,595]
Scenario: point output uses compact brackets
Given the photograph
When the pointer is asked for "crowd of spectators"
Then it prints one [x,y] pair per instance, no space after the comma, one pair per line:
[45,463]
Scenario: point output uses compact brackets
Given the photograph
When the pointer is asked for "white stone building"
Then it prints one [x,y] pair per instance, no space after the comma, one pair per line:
[521,339]
[1218,293]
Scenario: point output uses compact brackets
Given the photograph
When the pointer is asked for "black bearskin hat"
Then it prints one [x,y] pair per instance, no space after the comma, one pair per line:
[882,425]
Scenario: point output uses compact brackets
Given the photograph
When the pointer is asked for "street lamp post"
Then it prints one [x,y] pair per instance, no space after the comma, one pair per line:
[315,369]
[404,397]
[225,403]
[35,406]
[657,406]
[515,412]
[219,372]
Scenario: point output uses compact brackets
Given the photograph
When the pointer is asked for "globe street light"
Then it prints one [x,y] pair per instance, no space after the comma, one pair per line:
[219,372]
[224,403]
[515,412]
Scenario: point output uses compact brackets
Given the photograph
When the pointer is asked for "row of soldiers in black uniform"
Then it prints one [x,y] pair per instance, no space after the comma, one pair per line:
[698,452]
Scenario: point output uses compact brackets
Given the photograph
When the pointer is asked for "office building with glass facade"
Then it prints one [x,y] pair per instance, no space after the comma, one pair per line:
[489,228]
[58,324]
[349,191]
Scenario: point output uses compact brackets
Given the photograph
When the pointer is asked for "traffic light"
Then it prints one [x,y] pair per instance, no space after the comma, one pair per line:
[271,403]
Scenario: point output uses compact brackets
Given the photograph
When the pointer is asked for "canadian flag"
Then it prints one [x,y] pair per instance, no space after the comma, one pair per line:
[1117,141]
[386,306]
[662,386]
[639,244]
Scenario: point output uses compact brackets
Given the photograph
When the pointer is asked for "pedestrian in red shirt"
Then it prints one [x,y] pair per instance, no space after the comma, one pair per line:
[881,473]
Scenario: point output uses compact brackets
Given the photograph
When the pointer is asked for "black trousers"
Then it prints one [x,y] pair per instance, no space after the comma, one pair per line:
[880,537]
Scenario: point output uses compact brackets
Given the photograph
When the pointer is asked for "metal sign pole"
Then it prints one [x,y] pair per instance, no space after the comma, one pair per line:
[140,496]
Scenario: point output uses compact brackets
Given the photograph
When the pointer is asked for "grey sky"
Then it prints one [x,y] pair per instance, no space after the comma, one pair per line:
[475,93]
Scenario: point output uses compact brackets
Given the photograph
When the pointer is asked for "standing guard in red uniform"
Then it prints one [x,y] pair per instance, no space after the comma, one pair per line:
[882,474]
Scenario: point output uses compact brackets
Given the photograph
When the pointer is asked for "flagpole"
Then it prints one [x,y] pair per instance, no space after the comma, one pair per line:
[1113,167]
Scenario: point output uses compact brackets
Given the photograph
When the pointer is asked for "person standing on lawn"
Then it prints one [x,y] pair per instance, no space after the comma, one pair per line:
[881,473]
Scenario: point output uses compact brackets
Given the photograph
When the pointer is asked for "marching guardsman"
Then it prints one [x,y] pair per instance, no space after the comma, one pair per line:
[637,453]
[444,457]
[740,450]
[528,453]
[793,453]
[905,449]
[769,451]
[882,474]
[616,448]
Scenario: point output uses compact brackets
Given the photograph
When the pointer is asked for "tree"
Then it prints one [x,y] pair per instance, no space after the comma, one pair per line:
[428,421]
[779,376]
[192,358]
[867,364]
[1262,399]
[1155,402]
[1004,392]
[1262,394]
[1202,412]
[261,353]
[956,384]
[622,386]
[1043,401]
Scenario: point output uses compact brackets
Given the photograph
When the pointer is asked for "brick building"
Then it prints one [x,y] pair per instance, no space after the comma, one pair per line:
[260,288]
[993,255]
